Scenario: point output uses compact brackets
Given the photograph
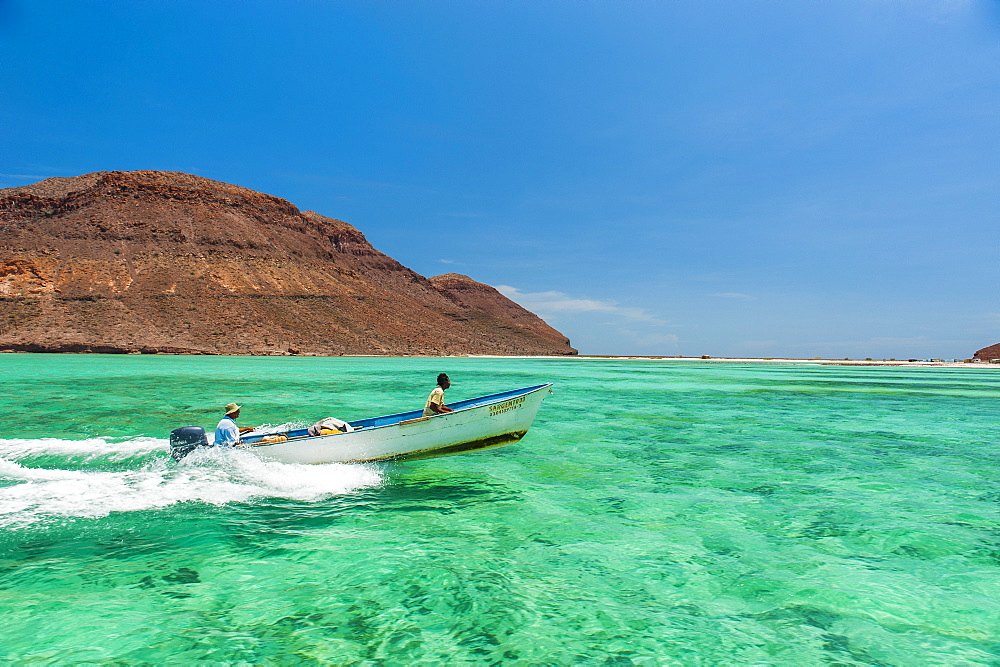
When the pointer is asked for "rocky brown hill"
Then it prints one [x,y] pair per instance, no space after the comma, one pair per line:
[151,261]
[988,353]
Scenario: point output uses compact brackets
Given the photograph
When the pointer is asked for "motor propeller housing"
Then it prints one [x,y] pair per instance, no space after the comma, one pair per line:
[186,439]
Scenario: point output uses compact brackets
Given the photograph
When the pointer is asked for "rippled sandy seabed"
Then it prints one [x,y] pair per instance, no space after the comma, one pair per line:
[657,513]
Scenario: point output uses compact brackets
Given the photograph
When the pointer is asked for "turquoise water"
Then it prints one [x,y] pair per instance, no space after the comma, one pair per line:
[657,513]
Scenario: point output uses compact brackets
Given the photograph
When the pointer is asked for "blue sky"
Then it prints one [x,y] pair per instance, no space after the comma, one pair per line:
[772,178]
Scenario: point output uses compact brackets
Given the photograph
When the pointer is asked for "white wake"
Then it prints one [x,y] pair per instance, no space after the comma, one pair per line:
[29,494]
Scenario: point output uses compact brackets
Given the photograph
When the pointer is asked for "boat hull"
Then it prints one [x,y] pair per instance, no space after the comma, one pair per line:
[476,424]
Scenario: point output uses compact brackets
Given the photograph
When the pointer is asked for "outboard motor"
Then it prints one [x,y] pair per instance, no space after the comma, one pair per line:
[186,439]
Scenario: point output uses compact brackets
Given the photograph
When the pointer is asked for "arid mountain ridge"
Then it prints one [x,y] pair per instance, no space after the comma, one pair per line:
[988,353]
[152,262]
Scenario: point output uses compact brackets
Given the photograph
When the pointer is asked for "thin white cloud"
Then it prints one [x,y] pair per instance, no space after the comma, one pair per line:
[447,261]
[552,303]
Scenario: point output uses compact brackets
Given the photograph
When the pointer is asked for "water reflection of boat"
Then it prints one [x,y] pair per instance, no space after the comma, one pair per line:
[476,423]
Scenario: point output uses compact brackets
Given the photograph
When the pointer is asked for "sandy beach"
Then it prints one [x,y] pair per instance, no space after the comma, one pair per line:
[936,363]
[903,363]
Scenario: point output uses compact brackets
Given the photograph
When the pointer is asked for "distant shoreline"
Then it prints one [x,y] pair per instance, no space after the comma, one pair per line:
[901,363]
[816,361]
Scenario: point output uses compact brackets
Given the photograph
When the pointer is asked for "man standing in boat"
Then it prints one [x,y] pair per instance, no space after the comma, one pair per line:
[435,402]
[227,434]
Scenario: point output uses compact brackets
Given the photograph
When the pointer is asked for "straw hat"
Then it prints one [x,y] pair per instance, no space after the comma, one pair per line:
[232,407]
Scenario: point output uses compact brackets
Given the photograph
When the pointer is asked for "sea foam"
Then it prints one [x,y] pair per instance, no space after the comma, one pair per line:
[29,495]
[91,448]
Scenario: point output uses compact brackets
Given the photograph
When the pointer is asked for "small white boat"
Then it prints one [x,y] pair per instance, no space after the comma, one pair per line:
[476,423]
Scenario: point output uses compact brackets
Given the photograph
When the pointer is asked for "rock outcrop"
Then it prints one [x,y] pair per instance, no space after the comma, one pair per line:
[150,261]
[988,353]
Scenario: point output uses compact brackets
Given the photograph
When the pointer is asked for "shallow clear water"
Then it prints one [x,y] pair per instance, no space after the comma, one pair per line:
[657,513]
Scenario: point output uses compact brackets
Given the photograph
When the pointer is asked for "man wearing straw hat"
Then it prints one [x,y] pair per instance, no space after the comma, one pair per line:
[227,433]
